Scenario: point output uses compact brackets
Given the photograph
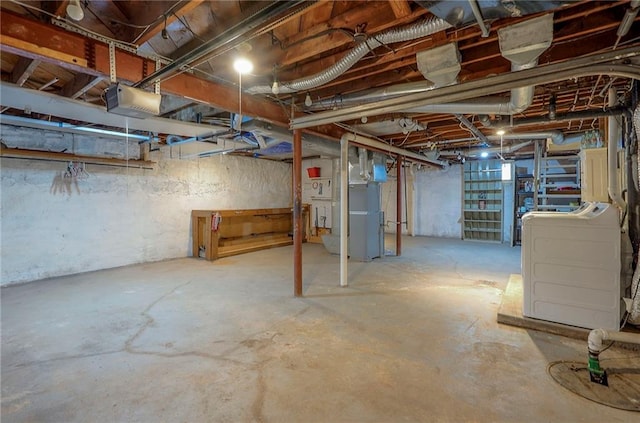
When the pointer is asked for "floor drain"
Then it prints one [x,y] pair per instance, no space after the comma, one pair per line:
[623,391]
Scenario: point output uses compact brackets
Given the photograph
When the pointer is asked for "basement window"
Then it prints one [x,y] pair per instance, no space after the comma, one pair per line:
[506,171]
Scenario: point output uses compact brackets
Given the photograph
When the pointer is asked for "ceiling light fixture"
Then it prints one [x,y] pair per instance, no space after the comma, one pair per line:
[500,132]
[364,119]
[307,100]
[74,10]
[164,33]
[242,65]
[484,154]
[275,88]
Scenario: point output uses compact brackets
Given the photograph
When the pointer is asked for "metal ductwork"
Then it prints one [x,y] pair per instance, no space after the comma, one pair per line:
[593,64]
[440,65]
[412,32]
[521,44]
[459,13]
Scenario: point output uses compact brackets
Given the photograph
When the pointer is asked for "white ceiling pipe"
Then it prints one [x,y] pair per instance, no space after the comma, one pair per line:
[520,100]
[409,155]
[54,105]
[476,88]
[612,154]
[490,150]
[67,128]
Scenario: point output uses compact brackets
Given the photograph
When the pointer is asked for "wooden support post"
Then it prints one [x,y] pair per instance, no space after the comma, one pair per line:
[399,205]
[297,213]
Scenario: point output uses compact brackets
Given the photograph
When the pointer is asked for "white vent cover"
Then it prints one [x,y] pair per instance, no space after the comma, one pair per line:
[132,102]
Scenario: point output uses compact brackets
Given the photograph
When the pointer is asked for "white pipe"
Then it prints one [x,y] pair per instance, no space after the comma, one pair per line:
[364,167]
[478,15]
[479,151]
[597,336]
[55,105]
[612,154]
[410,155]
[634,310]
[335,193]
[344,208]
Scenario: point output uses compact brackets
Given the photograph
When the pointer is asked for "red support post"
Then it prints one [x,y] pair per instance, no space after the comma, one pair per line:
[297,213]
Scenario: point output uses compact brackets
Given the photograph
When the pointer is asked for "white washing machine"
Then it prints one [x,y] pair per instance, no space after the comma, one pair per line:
[571,267]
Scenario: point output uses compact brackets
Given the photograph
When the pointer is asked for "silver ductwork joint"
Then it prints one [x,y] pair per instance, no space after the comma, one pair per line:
[412,32]
[521,44]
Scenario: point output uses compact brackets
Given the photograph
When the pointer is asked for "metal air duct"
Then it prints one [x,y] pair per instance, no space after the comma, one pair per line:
[412,32]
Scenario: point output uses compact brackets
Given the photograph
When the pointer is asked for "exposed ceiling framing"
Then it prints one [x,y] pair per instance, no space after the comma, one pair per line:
[44,49]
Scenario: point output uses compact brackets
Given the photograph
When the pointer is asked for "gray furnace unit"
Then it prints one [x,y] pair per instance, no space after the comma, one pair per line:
[366,220]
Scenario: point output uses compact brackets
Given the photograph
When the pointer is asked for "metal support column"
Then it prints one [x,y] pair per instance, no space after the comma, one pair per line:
[398,205]
[297,213]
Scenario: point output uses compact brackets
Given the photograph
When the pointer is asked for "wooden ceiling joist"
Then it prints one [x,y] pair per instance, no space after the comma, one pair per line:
[79,85]
[53,43]
[23,70]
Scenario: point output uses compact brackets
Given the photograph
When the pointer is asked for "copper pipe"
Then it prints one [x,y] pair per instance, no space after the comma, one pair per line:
[399,161]
[297,213]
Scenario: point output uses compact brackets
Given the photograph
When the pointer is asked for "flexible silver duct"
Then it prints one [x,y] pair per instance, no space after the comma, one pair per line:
[634,312]
[412,32]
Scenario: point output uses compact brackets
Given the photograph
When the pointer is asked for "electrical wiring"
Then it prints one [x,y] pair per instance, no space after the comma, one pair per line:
[73,24]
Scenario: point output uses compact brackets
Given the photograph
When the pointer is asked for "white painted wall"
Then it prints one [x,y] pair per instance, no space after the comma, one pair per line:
[439,202]
[53,226]
[434,210]
[389,199]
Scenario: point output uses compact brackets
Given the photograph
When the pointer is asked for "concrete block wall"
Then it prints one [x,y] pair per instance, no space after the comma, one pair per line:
[53,226]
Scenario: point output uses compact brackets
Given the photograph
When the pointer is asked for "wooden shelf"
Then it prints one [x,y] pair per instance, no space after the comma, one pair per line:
[222,233]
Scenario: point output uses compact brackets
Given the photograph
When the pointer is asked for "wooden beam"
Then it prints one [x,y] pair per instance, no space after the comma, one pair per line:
[54,44]
[400,8]
[23,70]
[152,31]
[17,153]
[79,85]
[371,13]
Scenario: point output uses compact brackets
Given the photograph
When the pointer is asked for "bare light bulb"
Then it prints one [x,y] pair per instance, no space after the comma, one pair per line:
[74,10]
[364,119]
[242,65]
[307,100]
[500,132]
[275,88]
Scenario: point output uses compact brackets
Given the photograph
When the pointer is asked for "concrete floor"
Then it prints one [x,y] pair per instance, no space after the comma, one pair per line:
[412,338]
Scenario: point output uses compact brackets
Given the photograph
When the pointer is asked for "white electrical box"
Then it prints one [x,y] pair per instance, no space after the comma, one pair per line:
[594,176]
[571,267]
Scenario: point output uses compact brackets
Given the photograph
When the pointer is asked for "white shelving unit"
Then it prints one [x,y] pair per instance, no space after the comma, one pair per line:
[559,183]
[482,200]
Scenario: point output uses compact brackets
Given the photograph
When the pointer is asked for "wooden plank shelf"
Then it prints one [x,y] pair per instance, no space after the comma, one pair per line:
[223,233]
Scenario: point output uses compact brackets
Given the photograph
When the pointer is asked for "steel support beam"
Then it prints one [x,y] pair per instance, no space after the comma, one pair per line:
[297,213]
